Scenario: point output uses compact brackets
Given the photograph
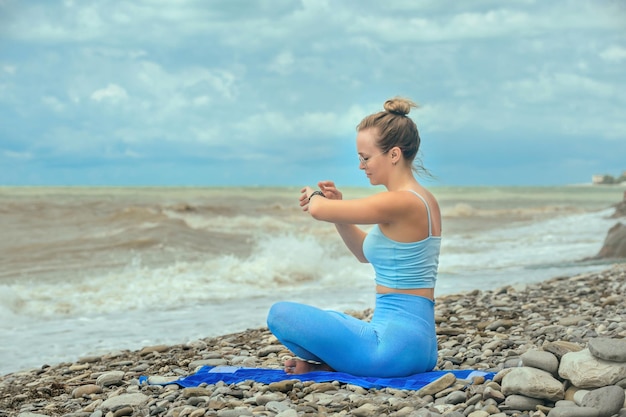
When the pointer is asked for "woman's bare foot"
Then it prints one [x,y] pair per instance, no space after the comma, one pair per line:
[299,366]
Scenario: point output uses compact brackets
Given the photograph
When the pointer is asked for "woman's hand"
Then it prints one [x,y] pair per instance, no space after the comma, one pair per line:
[304,197]
[329,190]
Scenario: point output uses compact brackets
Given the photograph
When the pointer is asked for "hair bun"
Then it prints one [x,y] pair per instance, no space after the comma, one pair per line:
[399,105]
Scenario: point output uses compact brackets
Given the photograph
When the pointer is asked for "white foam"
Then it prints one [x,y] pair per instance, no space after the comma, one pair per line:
[284,263]
[564,239]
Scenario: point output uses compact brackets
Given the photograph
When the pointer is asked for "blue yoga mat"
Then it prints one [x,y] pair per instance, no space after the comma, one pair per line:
[232,374]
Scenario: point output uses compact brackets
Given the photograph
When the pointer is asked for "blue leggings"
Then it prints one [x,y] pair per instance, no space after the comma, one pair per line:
[400,340]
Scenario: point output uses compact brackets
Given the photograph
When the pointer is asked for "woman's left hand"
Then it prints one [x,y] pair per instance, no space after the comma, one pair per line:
[304,197]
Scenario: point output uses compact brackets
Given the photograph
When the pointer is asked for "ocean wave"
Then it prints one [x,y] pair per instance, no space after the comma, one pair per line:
[465,210]
[282,263]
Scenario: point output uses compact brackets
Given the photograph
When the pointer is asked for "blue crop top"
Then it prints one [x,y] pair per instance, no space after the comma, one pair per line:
[403,265]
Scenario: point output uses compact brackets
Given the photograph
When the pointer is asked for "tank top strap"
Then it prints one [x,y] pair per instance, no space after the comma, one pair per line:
[427,211]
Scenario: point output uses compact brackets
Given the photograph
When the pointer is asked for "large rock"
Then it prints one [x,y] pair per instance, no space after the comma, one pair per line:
[614,243]
[607,400]
[608,349]
[541,360]
[586,371]
[620,209]
[534,383]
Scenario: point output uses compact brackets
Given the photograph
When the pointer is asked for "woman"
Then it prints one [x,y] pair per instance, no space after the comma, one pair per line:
[402,246]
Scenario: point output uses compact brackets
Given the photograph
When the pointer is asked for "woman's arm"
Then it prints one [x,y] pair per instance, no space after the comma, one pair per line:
[382,208]
[351,234]
[353,237]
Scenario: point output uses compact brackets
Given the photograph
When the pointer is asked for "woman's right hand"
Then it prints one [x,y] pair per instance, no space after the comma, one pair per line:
[330,191]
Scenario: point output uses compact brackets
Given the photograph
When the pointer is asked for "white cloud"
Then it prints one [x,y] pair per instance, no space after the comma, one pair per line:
[9,69]
[53,103]
[283,63]
[613,53]
[279,71]
[17,155]
[111,92]
[558,87]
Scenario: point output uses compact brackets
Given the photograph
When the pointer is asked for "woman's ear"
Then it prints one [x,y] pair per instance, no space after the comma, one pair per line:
[396,154]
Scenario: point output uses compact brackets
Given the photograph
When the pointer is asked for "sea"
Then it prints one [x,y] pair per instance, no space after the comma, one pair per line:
[90,270]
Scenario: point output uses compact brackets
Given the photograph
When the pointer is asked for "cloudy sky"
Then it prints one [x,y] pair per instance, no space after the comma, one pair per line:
[268,92]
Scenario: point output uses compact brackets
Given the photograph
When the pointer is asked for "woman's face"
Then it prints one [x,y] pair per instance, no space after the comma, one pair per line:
[371,158]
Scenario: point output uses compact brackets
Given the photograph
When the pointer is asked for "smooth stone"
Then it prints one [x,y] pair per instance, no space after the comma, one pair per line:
[235,412]
[31,415]
[323,387]
[366,410]
[607,400]
[197,344]
[287,413]
[110,378]
[282,386]
[140,368]
[276,406]
[208,362]
[443,408]
[123,400]
[579,395]
[573,320]
[586,371]
[266,398]
[573,412]
[161,380]
[608,349]
[521,402]
[478,413]
[196,392]
[493,394]
[423,412]
[124,411]
[89,359]
[86,390]
[455,397]
[561,347]
[438,385]
[151,349]
[534,383]
[513,363]
[505,323]
[265,351]
[571,391]
[541,360]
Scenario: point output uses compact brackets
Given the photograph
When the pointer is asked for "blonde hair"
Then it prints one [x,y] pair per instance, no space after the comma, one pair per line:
[396,129]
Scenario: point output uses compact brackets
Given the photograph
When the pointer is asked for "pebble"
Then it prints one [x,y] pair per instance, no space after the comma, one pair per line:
[110,378]
[531,337]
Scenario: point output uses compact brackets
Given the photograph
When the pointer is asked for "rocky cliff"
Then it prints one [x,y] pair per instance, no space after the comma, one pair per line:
[615,242]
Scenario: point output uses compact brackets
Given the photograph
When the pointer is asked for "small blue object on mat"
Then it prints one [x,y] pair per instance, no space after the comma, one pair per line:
[233,374]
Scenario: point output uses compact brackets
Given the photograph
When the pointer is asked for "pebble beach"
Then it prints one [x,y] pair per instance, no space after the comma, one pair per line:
[558,348]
